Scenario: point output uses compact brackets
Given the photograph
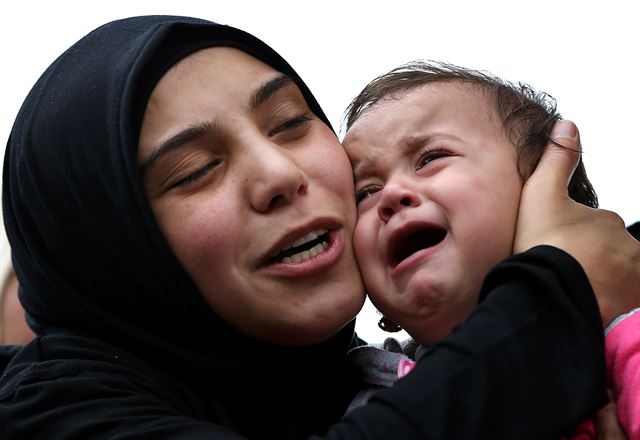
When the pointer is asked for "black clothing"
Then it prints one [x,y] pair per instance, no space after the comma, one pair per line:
[526,365]
[128,348]
[634,230]
[7,352]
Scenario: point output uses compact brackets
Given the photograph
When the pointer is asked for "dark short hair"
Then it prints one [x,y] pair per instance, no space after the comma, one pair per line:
[527,115]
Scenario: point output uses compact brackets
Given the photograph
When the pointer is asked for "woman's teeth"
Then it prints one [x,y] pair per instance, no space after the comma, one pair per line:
[310,245]
[310,236]
[304,255]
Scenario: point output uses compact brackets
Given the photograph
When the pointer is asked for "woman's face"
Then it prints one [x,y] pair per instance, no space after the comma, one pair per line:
[255,196]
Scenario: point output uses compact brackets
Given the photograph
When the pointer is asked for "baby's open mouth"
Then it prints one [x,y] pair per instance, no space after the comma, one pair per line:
[414,241]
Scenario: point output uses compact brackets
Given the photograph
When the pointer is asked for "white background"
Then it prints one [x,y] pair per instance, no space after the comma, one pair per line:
[583,53]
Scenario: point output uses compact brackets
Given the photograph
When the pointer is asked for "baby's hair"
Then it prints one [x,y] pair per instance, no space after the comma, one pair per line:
[527,116]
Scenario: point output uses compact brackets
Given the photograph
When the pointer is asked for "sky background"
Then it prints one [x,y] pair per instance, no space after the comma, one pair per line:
[585,54]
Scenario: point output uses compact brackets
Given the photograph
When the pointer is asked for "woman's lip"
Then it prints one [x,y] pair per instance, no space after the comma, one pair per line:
[291,236]
[313,265]
[415,258]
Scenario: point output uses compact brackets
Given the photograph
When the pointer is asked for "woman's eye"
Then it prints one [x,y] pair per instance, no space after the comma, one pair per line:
[430,156]
[290,124]
[366,192]
[194,177]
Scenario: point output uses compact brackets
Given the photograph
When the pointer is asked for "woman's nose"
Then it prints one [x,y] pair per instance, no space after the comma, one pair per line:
[276,178]
[394,198]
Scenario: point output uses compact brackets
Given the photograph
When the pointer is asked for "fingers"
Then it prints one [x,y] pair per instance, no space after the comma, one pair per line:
[544,203]
[558,163]
[607,425]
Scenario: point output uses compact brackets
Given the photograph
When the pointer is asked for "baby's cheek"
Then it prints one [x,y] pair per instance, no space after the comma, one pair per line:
[360,239]
[365,241]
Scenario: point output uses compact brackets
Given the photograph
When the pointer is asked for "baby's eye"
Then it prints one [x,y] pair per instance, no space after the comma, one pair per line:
[194,177]
[430,156]
[366,192]
[290,124]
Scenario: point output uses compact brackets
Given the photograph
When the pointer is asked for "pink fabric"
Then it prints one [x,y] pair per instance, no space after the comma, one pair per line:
[622,345]
[404,366]
[623,372]
[586,431]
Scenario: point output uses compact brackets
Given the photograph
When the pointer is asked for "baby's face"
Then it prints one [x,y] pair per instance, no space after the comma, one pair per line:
[438,190]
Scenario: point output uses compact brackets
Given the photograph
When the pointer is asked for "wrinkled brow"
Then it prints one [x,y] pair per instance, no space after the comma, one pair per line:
[175,142]
[363,168]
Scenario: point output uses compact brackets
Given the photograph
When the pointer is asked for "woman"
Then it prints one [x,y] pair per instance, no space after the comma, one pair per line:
[13,328]
[181,214]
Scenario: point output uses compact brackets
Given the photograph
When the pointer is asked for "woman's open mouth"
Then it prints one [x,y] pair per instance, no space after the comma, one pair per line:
[314,252]
[310,245]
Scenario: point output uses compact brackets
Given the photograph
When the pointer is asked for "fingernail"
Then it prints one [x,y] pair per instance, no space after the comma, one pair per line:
[564,129]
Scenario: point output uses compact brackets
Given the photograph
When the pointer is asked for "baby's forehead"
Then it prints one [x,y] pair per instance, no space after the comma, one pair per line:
[447,113]
[394,106]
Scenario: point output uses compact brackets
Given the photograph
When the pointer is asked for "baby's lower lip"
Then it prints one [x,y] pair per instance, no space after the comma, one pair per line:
[321,261]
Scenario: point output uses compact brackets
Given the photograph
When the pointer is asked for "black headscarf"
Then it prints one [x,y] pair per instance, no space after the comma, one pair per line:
[634,230]
[87,249]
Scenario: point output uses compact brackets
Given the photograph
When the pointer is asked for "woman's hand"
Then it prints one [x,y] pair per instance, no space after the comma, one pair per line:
[596,238]
[604,426]
[607,424]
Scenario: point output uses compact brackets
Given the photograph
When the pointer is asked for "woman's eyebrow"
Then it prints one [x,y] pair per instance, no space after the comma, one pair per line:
[264,92]
[259,96]
[176,141]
